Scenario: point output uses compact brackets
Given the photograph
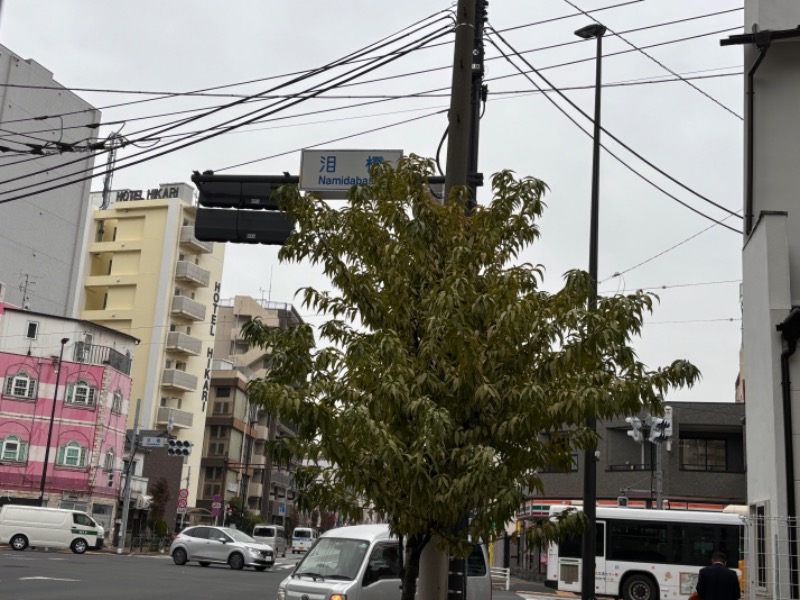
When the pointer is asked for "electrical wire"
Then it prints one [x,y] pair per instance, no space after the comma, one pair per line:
[660,64]
[663,252]
[204,92]
[571,103]
[333,84]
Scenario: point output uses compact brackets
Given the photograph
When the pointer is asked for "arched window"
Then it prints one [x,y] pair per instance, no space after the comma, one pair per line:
[108,465]
[116,403]
[13,449]
[71,454]
[80,393]
[20,385]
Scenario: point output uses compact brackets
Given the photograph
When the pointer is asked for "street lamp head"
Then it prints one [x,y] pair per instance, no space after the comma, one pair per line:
[64,340]
[595,30]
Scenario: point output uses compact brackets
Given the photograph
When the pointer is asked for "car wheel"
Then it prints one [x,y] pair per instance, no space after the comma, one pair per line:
[261,569]
[236,561]
[639,587]
[179,556]
[19,542]
[204,563]
[79,546]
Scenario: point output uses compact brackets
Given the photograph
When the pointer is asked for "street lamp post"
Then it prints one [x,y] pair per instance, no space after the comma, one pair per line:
[595,30]
[50,430]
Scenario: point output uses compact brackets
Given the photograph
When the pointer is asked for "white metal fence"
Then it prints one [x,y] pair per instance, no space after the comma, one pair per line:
[771,551]
[501,576]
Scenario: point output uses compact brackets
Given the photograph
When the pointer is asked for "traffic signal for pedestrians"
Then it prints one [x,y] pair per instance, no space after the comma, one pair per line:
[636,431]
[110,482]
[241,209]
[179,447]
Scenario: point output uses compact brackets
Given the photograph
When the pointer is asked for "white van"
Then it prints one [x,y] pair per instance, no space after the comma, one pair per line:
[272,535]
[362,562]
[302,539]
[23,526]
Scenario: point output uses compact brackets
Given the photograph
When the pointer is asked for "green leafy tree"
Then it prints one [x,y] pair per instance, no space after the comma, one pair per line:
[159,497]
[241,517]
[445,378]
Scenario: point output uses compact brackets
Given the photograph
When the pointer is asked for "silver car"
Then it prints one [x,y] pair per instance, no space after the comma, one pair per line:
[221,545]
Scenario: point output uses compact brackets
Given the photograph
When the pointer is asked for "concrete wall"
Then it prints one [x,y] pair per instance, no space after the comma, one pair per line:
[43,236]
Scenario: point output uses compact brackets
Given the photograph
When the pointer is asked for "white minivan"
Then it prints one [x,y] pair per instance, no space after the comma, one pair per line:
[22,526]
[302,539]
[272,535]
[362,562]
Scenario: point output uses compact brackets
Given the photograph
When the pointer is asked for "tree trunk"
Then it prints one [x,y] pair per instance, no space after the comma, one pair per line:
[414,547]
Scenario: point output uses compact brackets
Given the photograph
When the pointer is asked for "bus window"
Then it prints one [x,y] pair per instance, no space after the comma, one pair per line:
[573,547]
[645,541]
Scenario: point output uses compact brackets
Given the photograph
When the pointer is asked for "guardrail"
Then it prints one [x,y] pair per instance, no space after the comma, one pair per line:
[502,576]
[150,544]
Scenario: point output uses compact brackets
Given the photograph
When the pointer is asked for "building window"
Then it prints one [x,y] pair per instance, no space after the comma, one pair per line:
[80,394]
[213,473]
[20,385]
[211,489]
[216,449]
[222,408]
[109,462]
[71,455]
[13,449]
[219,431]
[223,392]
[701,454]
[32,330]
[116,405]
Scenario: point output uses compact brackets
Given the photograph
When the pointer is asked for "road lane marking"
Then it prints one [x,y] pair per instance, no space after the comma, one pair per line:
[40,578]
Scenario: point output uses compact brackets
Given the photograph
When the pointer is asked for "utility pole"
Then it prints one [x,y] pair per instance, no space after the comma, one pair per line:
[126,506]
[437,579]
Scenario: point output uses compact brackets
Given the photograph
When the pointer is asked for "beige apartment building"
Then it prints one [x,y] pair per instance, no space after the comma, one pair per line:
[239,430]
[149,276]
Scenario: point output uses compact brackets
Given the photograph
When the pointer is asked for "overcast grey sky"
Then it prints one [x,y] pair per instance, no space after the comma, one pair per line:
[694,135]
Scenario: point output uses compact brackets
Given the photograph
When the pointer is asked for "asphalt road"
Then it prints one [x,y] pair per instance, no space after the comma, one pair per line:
[61,575]
[39,575]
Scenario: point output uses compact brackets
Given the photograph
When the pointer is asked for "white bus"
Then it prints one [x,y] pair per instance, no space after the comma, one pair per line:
[645,554]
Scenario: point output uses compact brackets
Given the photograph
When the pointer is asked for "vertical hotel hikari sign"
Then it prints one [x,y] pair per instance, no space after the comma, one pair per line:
[210,352]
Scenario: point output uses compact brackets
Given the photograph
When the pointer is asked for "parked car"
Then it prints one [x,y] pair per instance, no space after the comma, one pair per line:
[221,545]
[362,562]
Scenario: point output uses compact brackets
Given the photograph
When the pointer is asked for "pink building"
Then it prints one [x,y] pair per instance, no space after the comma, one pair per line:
[91,404]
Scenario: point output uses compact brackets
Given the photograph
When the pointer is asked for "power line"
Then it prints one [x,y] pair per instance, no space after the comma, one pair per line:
[673,286]
[660,64]
[231,123]
[571,103]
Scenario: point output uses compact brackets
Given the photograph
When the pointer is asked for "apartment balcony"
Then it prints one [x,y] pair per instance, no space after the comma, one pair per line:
[180,418]
[178,380]
[261,432]
[191,273]
[257,460]
[188,308]
[189,241]
[102,355]
[183,343]
[256,490]
[281,478]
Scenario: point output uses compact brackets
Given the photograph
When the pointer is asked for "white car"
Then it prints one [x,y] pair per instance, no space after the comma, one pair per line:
[221,545]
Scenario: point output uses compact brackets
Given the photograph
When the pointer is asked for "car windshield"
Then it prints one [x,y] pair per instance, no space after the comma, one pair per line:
[238,535]
[334,558]
[302,533]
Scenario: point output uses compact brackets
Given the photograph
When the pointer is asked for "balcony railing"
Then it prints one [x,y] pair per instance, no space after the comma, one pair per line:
[102,355]
[188,240]
[281,478]
[138,484]
[172,378]
[190,272]
[183,343]
[256,490]
[180,418]
[188,308]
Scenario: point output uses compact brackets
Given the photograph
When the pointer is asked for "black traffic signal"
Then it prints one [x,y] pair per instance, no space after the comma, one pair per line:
[241,209]
[110,482]
[179,447]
